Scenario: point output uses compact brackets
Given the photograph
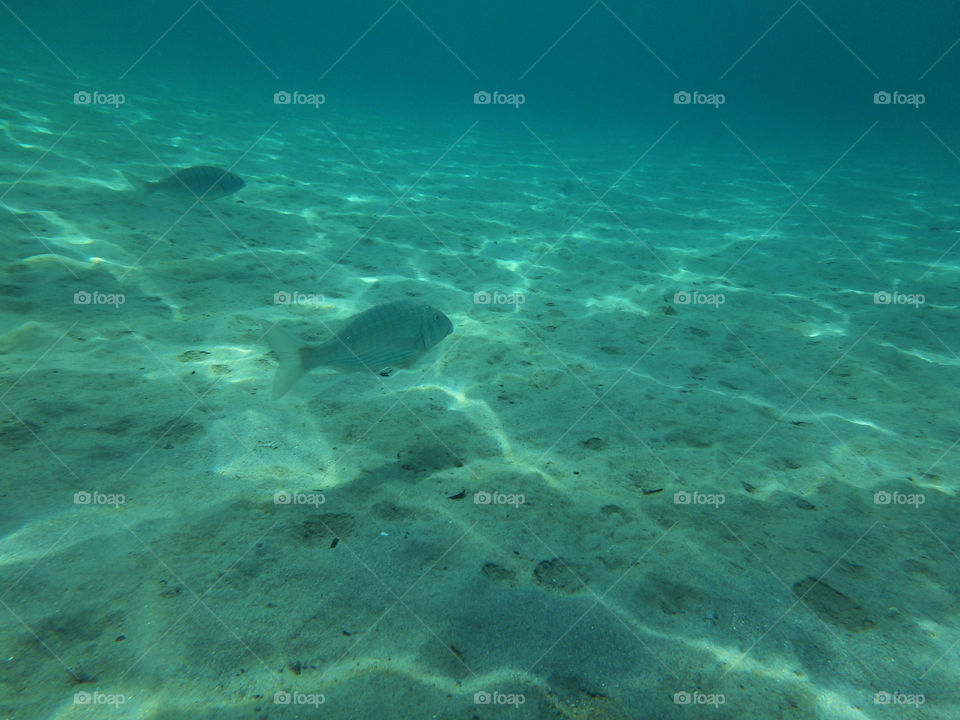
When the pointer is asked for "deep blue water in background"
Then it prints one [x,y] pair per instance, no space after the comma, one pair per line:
[794,79]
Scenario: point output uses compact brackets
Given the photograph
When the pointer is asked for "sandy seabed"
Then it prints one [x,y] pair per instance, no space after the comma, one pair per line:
[595,496]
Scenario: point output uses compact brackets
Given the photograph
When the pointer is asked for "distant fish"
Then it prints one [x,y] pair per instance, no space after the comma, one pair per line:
[386,336]
[202,181]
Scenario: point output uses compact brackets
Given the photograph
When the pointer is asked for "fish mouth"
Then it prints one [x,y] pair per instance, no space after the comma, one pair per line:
[445,328]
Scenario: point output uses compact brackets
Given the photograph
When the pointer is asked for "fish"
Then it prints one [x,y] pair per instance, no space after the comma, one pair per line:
[394,334]
[201,181]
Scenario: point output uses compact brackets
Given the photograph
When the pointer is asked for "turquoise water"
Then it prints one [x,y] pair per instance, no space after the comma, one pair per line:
[686,453]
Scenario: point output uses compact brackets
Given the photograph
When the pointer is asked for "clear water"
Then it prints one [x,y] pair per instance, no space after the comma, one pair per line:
[690,450]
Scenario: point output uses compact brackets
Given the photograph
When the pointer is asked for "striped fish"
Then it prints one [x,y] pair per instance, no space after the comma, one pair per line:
[201,181]
[386,336]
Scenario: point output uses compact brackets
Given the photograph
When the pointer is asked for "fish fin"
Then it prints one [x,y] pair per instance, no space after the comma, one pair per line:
[140,185]
[288,350]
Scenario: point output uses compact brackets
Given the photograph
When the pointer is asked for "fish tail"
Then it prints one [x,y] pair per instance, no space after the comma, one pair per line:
[142,186]
[288,350]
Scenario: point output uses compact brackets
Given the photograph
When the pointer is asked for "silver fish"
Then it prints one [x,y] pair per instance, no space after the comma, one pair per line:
[201,181]
[385,336]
